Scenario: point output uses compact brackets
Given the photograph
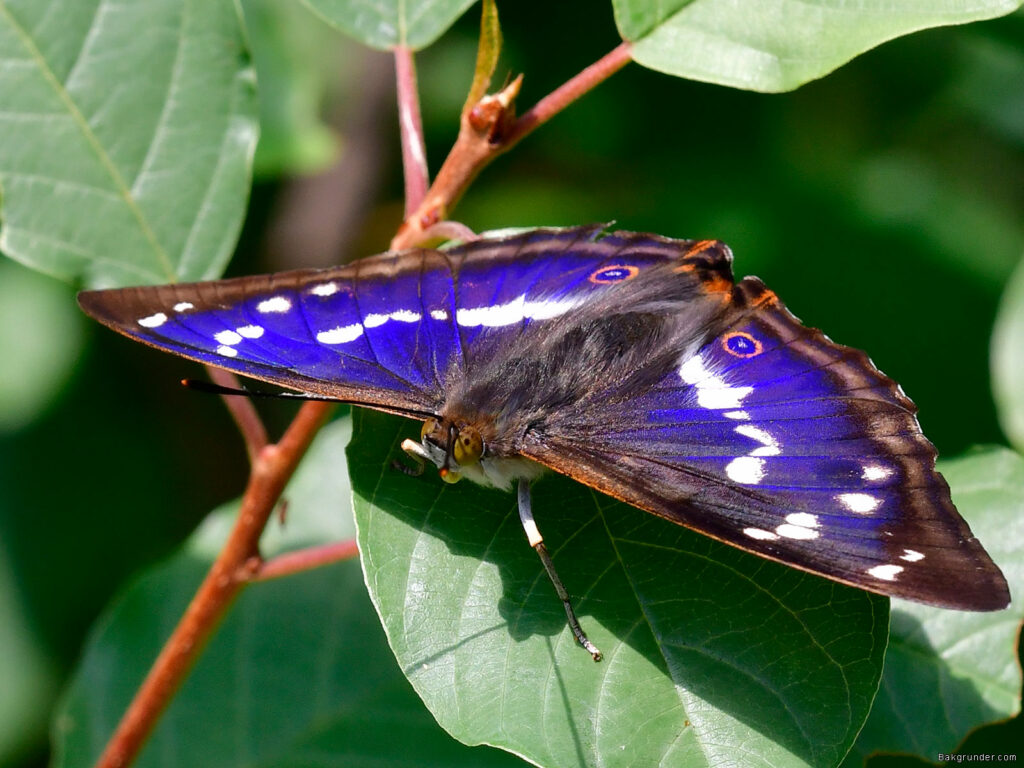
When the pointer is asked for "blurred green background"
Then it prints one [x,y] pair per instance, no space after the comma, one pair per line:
[882,203]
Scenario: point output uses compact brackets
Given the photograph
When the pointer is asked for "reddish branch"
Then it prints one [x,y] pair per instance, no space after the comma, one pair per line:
[414,153]
[236,564]
[487,129]
[307,559]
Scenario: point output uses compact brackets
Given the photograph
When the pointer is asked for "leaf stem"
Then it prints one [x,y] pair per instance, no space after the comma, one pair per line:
[234,567]
[306,559]
[414,153]
[488,130]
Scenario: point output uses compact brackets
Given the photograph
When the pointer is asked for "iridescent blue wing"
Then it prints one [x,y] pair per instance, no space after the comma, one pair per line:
[393,331]
[767,435]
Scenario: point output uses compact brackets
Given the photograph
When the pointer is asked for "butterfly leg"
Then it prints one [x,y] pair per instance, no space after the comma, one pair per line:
[417,454]
[537,542]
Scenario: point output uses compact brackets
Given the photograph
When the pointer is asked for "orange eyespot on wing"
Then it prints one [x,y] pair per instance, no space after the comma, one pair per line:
[741,344]
[616,273]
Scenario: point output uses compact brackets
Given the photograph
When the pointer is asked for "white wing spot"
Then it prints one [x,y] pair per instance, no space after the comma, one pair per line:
[515,311]
[228,338]
[275,304]
[373,320]
[713,392]
[181,306]
[153,321]
[885,572]
[324,289]
[796,532]
[227,351]
[875,472]
[341,334]
[769,445]
[760,533]
[862,503]
[738,415]
[250,331]
[799,525]
[747,470]
[439,314]
[911,556]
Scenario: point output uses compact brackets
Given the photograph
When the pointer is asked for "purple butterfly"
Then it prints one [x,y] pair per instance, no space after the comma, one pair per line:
[627,361]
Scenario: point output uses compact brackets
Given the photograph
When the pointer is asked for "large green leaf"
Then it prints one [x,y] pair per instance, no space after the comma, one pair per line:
[711,655]
[948,672]
[776,45]
[126,137]
[297,675]
[1008,359]
[385,24]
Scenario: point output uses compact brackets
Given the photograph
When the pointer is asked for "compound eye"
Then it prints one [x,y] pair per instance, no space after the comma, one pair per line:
[469,447]
[430,426]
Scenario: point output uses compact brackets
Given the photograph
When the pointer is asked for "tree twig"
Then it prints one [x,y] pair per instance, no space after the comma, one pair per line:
[414,153]
[306,559]
[486,131]
[568,92]
[237,562]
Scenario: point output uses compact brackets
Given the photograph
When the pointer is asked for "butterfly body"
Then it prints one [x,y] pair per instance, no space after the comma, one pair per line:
[630,362]
[608,350]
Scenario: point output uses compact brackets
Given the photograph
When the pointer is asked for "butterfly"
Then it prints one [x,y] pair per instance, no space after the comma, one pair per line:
[630,362]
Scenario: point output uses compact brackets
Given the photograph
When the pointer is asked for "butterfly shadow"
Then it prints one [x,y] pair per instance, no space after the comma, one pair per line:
[791,656]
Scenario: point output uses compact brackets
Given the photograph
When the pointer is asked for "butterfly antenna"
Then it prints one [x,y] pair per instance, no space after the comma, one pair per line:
[199,385]
[537,542]
[450,447]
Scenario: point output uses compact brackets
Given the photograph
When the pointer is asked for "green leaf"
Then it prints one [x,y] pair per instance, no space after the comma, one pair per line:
[40,340]
[385,24]
[777,45]
[948,672]
[1008,359]
[290,49]
[297,675]
[711,654]
[126,137]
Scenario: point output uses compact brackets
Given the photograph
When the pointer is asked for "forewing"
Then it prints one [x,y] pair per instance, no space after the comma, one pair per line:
[777,440]
[393,331]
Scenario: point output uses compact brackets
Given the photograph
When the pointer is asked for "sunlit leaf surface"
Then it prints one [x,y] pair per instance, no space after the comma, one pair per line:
[711,655]
[126,137]
[780,44]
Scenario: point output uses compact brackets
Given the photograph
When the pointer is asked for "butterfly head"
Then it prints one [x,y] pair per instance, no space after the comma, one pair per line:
[453,448]
[459,450]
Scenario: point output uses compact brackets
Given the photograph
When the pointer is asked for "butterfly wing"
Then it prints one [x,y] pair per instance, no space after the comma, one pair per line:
[774,439]
[393,331]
